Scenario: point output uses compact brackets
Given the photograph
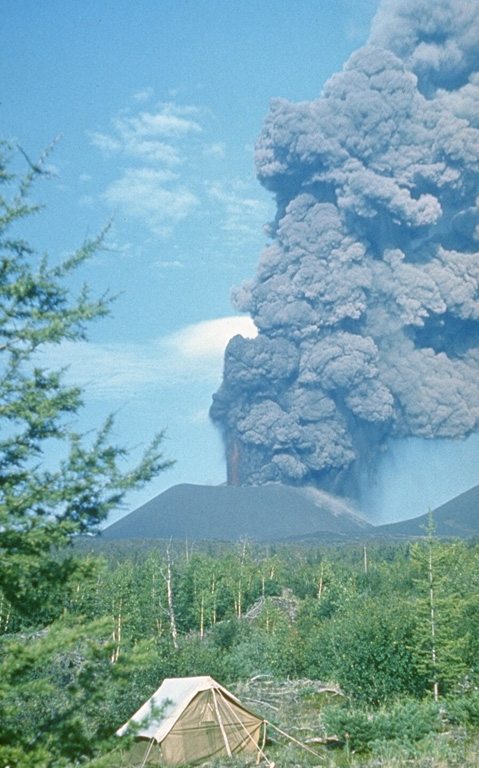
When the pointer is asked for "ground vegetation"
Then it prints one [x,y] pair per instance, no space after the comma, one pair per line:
[334,649]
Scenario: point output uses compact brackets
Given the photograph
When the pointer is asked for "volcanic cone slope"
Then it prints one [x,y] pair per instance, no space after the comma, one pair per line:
[263,513]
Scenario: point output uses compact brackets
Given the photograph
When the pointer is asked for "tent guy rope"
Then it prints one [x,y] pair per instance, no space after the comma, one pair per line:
[260,750]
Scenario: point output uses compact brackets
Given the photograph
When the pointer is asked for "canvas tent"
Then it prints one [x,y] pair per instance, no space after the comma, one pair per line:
[189,720]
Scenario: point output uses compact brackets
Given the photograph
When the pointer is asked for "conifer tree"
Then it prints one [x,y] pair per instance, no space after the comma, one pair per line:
[41,508]
[442,630]
[45,501]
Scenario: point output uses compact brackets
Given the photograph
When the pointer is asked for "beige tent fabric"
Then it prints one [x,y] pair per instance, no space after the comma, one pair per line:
[198,719]
[144,752]
[197,735]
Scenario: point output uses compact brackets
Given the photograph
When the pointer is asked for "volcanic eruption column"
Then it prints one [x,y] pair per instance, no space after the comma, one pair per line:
[367,299]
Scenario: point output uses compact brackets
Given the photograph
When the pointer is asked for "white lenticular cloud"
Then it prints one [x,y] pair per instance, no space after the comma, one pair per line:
[366,301]
[119,370]
[209,338]
[165,123]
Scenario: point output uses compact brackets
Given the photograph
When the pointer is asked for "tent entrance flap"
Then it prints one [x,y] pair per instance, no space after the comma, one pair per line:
[144,752]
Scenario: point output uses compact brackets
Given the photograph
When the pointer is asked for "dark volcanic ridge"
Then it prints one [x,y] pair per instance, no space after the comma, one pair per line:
[228,513]
[458,517]
[277,513]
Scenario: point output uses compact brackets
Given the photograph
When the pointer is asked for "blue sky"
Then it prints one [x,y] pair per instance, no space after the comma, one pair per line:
[158,106]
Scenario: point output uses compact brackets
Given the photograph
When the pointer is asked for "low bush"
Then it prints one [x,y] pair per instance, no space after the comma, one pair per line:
[464,709]
[361,729]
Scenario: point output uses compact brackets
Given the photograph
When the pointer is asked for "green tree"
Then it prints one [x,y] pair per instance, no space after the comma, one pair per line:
[42,508]
[445,604]
[365,650]
[45,502]
[198,593]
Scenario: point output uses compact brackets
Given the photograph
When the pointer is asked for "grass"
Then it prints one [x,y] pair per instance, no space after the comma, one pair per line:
[440,753]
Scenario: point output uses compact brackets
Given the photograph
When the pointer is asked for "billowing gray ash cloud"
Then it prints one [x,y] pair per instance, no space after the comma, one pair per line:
[367,299]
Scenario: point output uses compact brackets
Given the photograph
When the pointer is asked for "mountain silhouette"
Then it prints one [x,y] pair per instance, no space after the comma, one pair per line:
[263,513]
[278,512]
[458,517]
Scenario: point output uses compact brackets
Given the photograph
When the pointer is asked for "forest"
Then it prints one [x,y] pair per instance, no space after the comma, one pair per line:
[366,652]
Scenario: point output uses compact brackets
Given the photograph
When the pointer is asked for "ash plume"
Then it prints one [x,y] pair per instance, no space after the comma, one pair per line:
[367,298]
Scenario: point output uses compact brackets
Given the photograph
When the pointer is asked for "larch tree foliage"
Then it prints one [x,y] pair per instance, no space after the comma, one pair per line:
[54,483]
[40,507]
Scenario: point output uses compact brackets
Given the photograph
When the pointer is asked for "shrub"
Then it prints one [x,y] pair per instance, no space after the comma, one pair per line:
[405,723]
[464,709]
[366,651]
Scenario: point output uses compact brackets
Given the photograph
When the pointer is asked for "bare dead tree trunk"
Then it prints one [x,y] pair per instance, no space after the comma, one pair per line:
[213,593]
[4,615]
[321,583]
[169,593]
[433,626]
[202,616]
[154,599]
[238,602]
[117,634]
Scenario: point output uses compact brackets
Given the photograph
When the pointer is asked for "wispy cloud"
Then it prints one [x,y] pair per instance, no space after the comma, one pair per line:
[150,145]
[176,264]
[117,371]
[151,197]
[244,214]
[216,149]
[152,135]
[106,143]
[169,121]
[170,168]
[143,95]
